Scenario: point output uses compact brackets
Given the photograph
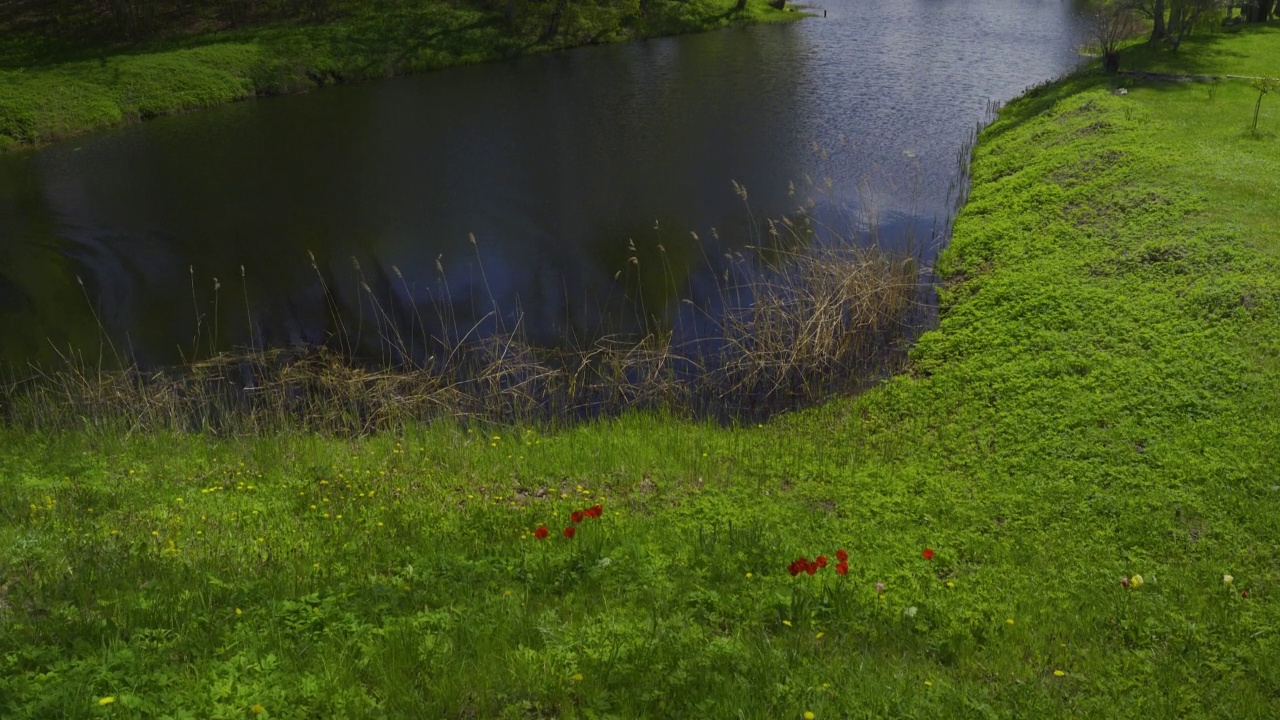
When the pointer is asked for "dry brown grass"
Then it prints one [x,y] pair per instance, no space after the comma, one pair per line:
[811,323]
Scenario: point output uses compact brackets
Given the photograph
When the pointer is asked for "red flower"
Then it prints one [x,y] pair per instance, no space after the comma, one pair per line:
[793,568]
[822,561]
[570,531]
[799,565]
[594,511]
[928,553]
[842,556]
[576,516]
[541,532]
[1244,594]
[812,568]
[842,568]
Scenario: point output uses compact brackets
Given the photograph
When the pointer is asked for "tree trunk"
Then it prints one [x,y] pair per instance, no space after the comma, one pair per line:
[1111,62]
[1157,31]
[742,5]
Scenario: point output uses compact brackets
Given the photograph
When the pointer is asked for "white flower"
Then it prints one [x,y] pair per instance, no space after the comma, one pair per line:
[606,561]
[1227,579]
[909,612]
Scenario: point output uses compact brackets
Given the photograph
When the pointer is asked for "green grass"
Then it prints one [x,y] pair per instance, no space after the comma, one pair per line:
[50,91]
[1101,399]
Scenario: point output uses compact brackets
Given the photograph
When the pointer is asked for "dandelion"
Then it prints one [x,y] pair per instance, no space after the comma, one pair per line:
[808,715]
[1135,582]
[1008,621]
[577,677]
[749,576]
[928,553]
[570,531]
[787,623]
[239,611]
[950,585]
[257,709]
[928,683]
[106,700]
[819,636]
[1058,673]
[1227,579]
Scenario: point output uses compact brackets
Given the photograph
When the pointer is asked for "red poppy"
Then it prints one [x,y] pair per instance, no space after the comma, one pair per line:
[793,568]
[576,516]
[812,568]
[842,556]
[842,568]
[570,531]
[822,561]
[594,511]
[928,553]
[541,533]
[1244,594]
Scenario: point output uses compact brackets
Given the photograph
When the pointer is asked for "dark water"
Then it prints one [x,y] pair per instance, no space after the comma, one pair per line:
[556,164]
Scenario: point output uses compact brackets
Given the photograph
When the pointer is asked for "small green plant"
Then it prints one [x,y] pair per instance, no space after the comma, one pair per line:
[1263,85]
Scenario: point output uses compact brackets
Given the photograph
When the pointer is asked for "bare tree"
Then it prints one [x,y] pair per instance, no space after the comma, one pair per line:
[1111,23]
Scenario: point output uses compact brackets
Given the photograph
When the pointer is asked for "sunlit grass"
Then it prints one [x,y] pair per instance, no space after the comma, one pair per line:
[1100,402]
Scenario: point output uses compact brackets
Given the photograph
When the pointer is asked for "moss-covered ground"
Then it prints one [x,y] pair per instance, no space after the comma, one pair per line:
[1101,401]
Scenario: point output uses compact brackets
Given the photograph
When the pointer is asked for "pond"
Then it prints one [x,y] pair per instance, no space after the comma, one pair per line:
[244,224]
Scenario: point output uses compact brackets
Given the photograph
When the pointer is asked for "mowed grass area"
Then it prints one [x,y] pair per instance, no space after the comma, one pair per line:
[50,91]
[1101,400]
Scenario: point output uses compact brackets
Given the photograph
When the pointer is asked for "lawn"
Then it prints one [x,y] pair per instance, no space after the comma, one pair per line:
[1069,506]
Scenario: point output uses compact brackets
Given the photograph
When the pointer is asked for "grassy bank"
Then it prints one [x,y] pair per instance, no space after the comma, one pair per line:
[1101,400]
[51,90]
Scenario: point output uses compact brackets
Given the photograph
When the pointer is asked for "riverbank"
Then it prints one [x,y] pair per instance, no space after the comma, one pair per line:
[1101,401]
[50,92]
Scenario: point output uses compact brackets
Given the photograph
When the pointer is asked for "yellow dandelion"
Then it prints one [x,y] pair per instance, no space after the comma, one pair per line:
[1008,621]
[1135,582]
[106,700]
[239,611]
[928,683]
[577,677]
[787,623]
[257,709]
[951,585]
[749,576]
[819,636]
[808,715]
[1058,673]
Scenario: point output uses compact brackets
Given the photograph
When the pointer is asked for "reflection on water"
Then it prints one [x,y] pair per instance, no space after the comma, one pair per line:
[558,165]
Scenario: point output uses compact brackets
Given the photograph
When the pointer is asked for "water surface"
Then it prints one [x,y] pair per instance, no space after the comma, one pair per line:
[557,165]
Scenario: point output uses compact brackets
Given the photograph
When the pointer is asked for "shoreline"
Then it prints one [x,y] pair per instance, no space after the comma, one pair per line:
[59,101]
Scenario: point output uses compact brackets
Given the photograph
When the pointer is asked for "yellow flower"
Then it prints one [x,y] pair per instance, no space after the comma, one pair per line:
[787,623]
[106,700]
[577,677]
[1058,673]
[951,585]
[1135,582]
[819,636]
[1008,621]
[808,715]
[239,612]
[1227,579]
[928,683]
[257,709]
[749,576]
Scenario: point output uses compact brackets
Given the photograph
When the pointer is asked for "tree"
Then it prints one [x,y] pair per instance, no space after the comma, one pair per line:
[1111,23]
[1258,10]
